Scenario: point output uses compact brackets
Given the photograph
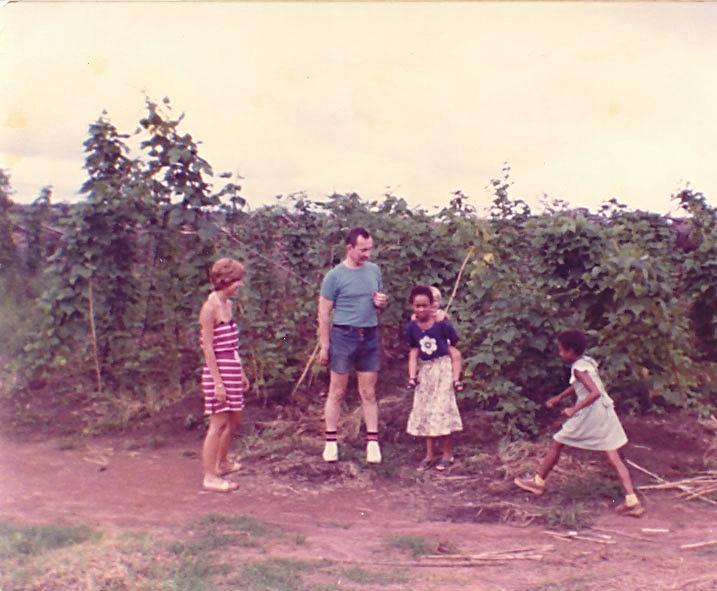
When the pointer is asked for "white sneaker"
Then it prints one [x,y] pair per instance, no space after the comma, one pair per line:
[373,452]
[331,451]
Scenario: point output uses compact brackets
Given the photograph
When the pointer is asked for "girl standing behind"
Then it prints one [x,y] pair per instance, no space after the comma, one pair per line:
[223,380]
[435,412]
[456,357]
[592,422]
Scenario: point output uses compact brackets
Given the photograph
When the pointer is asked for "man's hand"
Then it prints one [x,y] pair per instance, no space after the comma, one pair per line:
[324,356]
[379,299]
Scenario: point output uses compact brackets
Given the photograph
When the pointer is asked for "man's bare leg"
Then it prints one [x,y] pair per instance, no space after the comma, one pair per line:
[332,412]
[367,391]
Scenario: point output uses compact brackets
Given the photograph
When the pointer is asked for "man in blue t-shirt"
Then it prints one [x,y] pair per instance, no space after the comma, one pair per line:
[354,291]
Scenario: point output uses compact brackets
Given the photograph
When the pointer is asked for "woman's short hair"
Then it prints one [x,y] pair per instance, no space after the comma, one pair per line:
[224,272]
[575,340]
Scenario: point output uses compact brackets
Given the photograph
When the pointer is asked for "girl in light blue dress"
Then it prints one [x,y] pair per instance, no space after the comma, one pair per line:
[592,422]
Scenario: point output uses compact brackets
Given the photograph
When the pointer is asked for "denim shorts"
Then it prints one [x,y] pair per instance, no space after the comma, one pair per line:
[354,348]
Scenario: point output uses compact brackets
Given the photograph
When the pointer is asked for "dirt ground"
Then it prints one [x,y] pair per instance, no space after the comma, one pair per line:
[346,512]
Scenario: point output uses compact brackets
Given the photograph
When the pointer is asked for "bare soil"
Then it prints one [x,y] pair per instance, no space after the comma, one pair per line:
[348,512]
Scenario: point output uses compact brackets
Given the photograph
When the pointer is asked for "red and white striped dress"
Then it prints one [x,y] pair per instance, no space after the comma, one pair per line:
[225,342]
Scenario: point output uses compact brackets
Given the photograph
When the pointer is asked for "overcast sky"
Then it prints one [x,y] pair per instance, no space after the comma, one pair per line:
[585,101]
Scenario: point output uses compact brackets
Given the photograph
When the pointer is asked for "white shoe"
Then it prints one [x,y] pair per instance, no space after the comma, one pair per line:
[331,451]
[373,452]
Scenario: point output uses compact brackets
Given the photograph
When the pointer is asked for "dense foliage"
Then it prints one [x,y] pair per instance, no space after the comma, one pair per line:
[123,274]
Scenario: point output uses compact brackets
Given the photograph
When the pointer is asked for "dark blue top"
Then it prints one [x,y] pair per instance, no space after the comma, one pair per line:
[433,342]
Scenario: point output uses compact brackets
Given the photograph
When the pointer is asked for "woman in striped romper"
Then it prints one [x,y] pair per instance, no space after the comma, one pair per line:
[223,380]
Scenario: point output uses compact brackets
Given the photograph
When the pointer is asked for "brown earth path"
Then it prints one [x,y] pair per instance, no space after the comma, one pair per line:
[105,485]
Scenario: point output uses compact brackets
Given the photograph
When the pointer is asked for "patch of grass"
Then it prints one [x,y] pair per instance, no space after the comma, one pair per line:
[190,573]
[568,516]
[242,523]
[393,458]
[590,488]
[277,574]
[417,546]
[119,562]
[269,446]
[215,531]
[363,576]
[17,541]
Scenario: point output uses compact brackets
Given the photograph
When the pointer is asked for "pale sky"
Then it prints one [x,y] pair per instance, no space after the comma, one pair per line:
[585,101]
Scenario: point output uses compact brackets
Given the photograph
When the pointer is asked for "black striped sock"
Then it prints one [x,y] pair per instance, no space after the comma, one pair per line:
[330,435]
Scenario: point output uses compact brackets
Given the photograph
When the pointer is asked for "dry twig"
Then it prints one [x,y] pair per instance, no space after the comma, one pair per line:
[572,535]
[698,545]
[306,369]
[683,487]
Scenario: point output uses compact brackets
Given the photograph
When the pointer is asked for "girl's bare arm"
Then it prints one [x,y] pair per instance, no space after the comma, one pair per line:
[207,317]
[594,393]
[558,397]
[412,364]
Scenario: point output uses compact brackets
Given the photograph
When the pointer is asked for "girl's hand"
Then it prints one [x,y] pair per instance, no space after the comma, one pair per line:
[552,401]
[570,411]
[245,382]
[220,392]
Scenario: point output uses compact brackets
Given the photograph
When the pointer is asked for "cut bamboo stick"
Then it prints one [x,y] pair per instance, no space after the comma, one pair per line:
[575,536]
[698,545]
[624,534]
[306,369]
[492,553]
[663,481]
[458,279]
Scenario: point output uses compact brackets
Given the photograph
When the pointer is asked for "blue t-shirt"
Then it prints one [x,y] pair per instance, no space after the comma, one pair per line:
[433,342]
[351,291]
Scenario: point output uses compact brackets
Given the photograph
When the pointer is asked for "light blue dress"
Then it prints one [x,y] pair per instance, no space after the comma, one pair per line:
[595,427]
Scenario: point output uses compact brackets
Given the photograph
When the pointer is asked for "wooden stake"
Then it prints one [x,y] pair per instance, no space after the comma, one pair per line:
[458,279]
[306,369]
[93,333]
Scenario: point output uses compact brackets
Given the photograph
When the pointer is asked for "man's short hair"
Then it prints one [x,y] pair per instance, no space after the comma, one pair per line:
[575,340]
[354,233]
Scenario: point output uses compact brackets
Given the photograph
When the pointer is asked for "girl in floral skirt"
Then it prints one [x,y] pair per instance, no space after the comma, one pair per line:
[435,412]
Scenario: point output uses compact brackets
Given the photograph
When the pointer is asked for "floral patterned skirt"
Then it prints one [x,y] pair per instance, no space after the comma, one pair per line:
[435,412]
